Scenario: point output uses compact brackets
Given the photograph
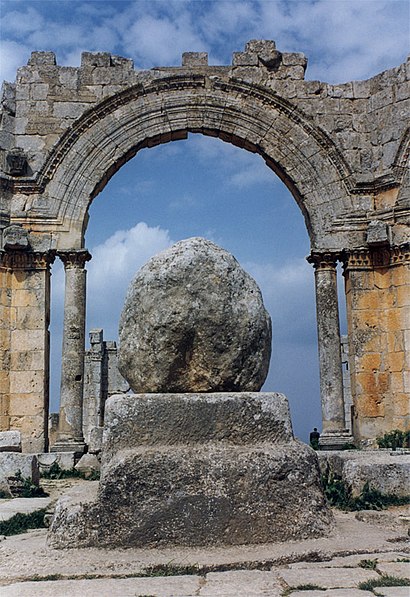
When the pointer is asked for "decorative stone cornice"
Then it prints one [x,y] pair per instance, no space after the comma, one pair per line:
[74,258]
[26,260]
[326,260]
[366,258]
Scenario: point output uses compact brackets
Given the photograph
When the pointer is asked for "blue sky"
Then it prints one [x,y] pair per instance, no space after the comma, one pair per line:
[202,186]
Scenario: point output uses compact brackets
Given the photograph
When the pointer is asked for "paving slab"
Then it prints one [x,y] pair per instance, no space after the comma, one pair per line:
[180,586]
[394,591]
[401,569]
[241,583]
[9,508]
[329,578]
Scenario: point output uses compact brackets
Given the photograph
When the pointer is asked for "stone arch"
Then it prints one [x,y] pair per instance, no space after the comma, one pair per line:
[112,132]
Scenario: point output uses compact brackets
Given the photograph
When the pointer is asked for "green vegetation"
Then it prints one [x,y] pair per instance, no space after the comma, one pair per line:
[28,489]
[368,564]
[384,580]
[20,523]
[307,587]
[340,496]
[394,439]
[56,472]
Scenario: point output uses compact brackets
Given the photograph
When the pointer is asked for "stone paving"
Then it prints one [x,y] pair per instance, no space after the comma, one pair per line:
[359,549]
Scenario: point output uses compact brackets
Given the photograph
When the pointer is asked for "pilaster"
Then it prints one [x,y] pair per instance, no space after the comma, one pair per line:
[378,307]
[24,353]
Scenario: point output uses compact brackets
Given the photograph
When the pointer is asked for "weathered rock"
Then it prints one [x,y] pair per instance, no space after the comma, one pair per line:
[88,465]
[386,473]
[197,469]
[10,441]
[12,462]
[194,321]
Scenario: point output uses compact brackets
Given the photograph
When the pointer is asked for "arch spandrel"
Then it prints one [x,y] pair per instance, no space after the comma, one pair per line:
[113,131]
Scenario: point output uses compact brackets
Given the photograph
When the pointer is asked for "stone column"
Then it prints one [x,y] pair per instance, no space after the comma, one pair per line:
[70,430]
[334,433]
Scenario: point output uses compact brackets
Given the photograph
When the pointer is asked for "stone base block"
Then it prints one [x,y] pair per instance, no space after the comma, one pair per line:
[388,475]
[197,469]
[78,447]
[12,462]
[10,441]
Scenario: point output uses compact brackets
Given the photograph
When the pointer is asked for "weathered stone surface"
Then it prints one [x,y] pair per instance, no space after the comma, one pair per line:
[238,478]
[65,460]
[12,462]
[194,321]
[195,419]
[388,474]
[88,464]
[10,441]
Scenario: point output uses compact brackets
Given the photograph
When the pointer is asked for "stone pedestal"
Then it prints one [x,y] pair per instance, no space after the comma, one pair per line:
[196,469]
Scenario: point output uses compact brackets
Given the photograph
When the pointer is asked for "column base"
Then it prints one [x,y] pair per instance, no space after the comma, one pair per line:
[336,439]
[70,445]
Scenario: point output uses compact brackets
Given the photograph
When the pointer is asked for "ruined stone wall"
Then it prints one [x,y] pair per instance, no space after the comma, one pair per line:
[342,150]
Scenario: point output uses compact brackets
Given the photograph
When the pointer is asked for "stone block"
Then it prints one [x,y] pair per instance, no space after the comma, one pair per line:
[65,460]
[88,464]
[12,462]
[377,233]
[95,59]
[191,419]
[197,470]
[10,441]
[195,59]
[244,59]
[95,440]
[42,59]
[384,473]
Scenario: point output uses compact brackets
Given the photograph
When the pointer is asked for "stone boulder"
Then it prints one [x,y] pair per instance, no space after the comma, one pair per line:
[194,321]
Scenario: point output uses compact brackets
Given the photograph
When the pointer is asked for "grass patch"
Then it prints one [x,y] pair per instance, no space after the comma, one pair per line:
[384,581]
[394,439]
[340,496]
[20,523]
[55,472]
[403,560]
[307,587]
[368,564]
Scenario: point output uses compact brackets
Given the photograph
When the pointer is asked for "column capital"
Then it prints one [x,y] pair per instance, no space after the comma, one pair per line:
[323,260]
[73,258]
[26,260]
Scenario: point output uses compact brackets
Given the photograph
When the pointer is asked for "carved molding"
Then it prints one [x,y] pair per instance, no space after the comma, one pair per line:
[179,83]
[26,260]
[73,259]
[374,258]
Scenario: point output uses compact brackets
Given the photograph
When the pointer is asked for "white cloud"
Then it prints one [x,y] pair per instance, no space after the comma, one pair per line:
[112,267]
[13,55]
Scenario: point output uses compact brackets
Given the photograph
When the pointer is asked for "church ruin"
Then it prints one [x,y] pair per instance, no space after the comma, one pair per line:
[342,150]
